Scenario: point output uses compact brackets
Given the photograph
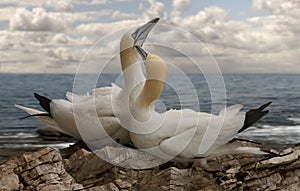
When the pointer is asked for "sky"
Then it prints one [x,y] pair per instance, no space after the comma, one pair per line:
[54,36]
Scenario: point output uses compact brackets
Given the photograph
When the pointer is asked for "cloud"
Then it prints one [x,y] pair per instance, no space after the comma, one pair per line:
[16,3]
[102,29]
[40,20]
[36,20]
[6,13]
[99,1]
[120,15]
[65,54]
[278,6]
[89,2]
[55,33]
[179,6]
[258,44]
[40,51]
[58,5]
[61,38]
[208,16]
[156,9]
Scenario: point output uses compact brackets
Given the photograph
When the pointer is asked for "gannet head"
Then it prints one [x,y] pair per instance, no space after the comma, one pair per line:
[131,39]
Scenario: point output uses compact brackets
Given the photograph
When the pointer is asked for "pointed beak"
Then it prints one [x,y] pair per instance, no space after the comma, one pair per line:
[142,32]
[142,52]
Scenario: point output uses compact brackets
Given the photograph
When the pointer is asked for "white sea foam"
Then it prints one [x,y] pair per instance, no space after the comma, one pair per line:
[17,135]
[16,146]
[277,136]
[269,130]
[297,120]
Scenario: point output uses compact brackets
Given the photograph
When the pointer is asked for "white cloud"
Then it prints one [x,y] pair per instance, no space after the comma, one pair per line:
[259,44]
[40,20]
[39,51]
[156,9]
[102,29]
[279,7]
[6,13]
[36,20]
[56,34]
[179,6]
[65,54]
[88,2]
[17,3]
[61,38]
[59,5]
[99,1]
[119,15]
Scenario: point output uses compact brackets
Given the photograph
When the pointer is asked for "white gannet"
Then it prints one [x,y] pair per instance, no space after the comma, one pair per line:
[60,113]
[179,133]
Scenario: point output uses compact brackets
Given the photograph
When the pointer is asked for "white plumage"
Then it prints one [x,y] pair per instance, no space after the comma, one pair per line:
[83,116]
[184,134]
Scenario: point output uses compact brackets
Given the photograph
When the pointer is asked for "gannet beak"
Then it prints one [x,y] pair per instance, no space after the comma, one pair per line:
[142,32]
[142,52]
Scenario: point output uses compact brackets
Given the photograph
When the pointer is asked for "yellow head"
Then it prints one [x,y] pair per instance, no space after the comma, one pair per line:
[128,52]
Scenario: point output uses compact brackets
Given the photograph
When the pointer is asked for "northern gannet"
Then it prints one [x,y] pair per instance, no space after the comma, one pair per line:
[180,133]
[60,114]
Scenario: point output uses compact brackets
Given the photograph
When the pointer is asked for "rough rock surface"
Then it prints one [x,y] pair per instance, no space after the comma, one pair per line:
[40,170]
[77,168]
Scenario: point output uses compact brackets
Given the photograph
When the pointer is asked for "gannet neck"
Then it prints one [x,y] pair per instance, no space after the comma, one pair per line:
[156,75]
[131,68]
[128,57]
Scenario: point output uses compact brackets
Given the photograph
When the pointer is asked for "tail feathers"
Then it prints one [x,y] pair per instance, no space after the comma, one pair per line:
[73,97]
[231,110]
[44,102]
[254,115]
[42,117]
[32,112]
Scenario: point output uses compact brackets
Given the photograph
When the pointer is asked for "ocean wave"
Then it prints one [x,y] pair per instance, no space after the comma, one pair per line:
[297,120]
[16,146]
[276,136]
[266,130]
[18,135]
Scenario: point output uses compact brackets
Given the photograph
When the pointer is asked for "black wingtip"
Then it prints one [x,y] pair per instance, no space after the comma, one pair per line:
[254,115]
[44,102]
[264,106]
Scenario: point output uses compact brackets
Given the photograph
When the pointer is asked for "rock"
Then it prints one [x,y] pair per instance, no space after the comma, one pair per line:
[272,173]
[107,187]
[78,168]
[7,153]
[122,184]
[89,169]
[128,158]
[42,170]
[9,181]
[68,151]
[83,165]
[181,179]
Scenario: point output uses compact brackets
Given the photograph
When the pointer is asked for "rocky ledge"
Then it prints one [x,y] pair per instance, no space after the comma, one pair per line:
[77,168]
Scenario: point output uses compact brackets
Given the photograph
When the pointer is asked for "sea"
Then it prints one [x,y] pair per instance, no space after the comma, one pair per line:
[280,128]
